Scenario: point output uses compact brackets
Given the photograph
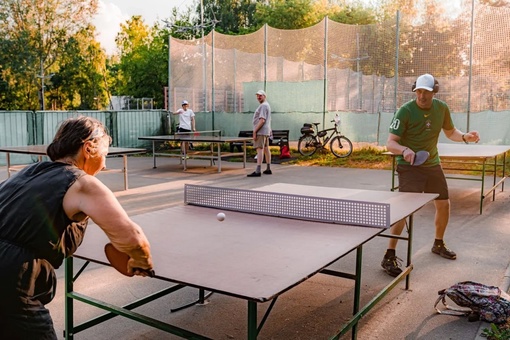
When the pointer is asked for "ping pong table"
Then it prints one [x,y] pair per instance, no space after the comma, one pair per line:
[214,139]
[272,239]
[491,159]
[40,151]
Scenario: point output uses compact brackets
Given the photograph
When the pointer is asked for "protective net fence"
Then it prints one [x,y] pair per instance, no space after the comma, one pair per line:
[333,67]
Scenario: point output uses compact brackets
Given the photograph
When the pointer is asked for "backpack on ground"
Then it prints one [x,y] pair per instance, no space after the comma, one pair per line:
[479,302]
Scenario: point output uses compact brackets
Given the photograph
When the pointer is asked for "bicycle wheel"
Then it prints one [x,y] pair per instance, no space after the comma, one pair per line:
[341,146]
[307,145]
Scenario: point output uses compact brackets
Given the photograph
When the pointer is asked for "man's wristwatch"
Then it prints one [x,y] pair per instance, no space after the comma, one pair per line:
[464,139]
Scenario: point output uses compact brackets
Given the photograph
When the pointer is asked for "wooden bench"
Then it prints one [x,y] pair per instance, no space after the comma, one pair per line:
[280,138]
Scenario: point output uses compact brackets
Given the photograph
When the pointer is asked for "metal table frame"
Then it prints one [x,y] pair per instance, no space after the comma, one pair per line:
[253,325]
[40,151]
[212,155]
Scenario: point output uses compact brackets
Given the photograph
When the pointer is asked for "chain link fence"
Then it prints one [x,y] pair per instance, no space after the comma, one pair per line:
[333,67]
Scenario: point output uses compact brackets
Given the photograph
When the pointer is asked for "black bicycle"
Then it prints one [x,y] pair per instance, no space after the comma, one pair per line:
[310,142]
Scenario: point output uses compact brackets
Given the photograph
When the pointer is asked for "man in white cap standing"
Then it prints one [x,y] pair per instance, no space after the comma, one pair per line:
[416,126]
[261,133]
[186,121]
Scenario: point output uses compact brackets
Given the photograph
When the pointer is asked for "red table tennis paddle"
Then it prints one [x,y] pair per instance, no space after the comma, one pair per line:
[119,261]
[420,157]
[196,133]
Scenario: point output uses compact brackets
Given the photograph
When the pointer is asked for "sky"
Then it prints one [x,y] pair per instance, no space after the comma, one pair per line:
[114,12]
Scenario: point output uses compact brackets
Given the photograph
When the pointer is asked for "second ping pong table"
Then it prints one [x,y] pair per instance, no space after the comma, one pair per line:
[491,159]
[199,137]
[255,258]
[40,152]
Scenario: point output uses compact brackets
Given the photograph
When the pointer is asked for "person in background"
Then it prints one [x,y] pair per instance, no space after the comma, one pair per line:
[261,134]
[186,123]
[44,211]
[416,126]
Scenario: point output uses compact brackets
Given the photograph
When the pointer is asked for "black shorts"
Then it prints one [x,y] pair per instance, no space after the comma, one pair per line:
[422,179]
[183,130]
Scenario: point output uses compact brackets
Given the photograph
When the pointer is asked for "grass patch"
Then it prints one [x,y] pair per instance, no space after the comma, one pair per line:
[362,158]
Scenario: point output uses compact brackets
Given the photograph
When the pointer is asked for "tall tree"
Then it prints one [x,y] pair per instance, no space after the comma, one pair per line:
[287,14]
[228,16]
[40,28]
[143,66]
[79,82]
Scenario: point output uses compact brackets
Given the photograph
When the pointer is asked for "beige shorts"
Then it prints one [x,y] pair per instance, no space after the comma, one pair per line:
[260,142]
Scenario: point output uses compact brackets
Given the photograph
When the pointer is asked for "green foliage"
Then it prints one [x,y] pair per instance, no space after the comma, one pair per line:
[143,68]
[34,34]
[78,83]
[228,16]
[286,14]
[357,15]
[496,332]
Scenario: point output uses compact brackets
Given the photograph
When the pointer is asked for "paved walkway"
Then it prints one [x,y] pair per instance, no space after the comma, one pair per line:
[316,308]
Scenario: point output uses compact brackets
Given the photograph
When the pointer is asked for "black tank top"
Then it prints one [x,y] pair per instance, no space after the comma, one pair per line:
[31,213]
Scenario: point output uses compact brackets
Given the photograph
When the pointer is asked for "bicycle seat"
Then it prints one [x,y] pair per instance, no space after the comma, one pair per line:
[316,124]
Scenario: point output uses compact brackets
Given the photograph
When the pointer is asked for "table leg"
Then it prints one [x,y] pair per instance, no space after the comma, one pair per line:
[504,172]
[154,154]
[125,171]
[68,287]
[409,249]
[252,320]
[244,154]
[482,194]
[211,149]
[219,157]
[8,160]
[357,288]
[494,177]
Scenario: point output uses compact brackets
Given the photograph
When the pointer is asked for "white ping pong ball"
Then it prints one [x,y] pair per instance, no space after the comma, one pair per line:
[220,216]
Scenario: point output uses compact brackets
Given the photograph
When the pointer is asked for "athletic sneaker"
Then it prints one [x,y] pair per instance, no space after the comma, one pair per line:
[267,172]
[391,265]
[444,251]
[254,174]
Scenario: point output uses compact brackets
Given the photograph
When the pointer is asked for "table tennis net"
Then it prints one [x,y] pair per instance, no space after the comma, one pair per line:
[209,133]
[309,208]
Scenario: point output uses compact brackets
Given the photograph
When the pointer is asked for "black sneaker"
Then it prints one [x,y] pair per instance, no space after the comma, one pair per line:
[254,174]
[442,250]
[391,265]
[267,172]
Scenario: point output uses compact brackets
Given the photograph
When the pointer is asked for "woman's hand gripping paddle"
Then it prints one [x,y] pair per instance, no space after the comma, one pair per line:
[420,157]
[119,261]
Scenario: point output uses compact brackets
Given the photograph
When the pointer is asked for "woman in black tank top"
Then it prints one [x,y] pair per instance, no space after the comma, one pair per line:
[44,210]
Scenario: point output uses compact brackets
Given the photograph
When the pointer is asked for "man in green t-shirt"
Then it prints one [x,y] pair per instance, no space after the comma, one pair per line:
[416,126]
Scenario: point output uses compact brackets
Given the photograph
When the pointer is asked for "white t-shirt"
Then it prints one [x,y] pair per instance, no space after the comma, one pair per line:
[185,118]
[263,111]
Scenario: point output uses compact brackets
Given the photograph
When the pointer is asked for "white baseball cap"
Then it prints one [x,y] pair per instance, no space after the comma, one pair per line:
[260,92]
[184,102]
[425,82]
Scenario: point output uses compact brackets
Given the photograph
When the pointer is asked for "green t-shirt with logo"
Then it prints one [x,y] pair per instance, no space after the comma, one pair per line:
[419,129]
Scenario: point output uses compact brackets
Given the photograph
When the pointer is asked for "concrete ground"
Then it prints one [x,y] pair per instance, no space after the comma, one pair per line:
[319,306]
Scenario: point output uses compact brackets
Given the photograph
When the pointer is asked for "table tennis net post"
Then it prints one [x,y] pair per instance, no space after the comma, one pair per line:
[309,208]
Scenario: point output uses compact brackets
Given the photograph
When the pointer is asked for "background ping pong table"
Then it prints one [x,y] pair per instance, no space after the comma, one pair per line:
[40,151]
[490,158]
[273,242]
[213,138]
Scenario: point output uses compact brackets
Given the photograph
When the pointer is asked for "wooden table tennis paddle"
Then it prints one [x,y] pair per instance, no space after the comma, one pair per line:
[420,157]
[119,261]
